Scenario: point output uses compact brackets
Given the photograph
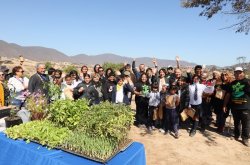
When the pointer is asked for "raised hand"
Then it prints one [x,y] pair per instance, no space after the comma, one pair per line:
[154,61]
[177,58]
[189,69]
[81,90]
[154,70]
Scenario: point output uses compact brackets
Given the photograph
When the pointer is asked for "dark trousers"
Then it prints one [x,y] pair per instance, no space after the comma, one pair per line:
[207,112]
[220,116]
[241,120]
[150,121]
[199,113]
[141,115]
[171,120]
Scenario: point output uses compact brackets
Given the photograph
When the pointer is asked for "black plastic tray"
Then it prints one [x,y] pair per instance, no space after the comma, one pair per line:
[125,146]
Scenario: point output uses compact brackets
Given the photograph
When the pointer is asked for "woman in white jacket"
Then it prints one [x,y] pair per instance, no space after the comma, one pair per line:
[18,85]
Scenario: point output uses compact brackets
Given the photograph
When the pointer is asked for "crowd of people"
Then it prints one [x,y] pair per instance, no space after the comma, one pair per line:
[161,94]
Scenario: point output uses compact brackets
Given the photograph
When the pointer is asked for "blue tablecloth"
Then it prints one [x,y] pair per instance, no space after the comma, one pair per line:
[18,152]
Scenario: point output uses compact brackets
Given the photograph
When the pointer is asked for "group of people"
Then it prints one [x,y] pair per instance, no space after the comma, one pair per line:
[161,95]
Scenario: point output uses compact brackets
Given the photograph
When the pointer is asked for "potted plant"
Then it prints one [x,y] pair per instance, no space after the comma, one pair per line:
[37,104]
[12,119]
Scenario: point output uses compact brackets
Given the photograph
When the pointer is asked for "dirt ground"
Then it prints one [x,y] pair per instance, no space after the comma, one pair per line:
[209,148]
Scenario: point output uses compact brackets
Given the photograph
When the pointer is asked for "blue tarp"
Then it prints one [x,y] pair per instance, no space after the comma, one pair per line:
[18,152]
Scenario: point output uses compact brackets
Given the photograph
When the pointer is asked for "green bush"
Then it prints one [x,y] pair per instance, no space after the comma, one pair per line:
[68,113]
[114,66]
[107,120]
[48,65]
[69,68]
[45,132]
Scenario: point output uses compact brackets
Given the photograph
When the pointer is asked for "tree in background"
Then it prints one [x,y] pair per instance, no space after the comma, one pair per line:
[69,68]
[48,65]
[114,66]
[239,8]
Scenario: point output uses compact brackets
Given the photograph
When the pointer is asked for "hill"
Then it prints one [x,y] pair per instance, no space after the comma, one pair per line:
[37,53]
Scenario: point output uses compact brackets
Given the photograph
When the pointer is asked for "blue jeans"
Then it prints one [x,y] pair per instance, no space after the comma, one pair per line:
[18,103]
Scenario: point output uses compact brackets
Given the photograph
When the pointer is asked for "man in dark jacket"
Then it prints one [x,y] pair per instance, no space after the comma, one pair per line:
[38,81]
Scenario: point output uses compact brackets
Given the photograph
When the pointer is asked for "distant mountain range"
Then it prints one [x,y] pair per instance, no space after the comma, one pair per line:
[38,53]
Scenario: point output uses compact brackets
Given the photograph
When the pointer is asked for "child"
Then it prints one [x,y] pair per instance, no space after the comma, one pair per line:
[163,93]
[95,92]
[154,101]
[67,88]
[82,90]
[120,92]
[108,87]
[172,100]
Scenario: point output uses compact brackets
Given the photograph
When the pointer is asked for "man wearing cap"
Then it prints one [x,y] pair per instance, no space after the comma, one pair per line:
[238,95]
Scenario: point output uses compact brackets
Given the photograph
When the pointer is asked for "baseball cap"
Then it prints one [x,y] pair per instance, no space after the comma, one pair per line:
[126,73]
[169,67]
[3,68]
[238,69]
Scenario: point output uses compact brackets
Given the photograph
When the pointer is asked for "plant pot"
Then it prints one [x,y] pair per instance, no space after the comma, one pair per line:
[37,115]
[12,121]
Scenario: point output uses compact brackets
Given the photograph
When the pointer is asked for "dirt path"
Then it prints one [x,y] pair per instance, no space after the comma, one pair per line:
[202,149]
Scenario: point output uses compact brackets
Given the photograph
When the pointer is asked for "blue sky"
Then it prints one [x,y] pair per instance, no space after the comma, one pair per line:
[133,28]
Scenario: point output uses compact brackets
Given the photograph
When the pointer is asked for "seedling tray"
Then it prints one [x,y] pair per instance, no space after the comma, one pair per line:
[121,149]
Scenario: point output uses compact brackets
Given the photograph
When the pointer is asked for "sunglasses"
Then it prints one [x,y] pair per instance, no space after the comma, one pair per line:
[21,71]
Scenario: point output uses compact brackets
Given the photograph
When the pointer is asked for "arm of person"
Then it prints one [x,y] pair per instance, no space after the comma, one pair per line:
[136,73]
[177,58]
[128,87]
[155,63]
[32,84]
[226,101]
[78,90]
[177,101]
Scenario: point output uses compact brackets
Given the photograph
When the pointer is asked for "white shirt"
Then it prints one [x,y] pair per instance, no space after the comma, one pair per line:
[17,86]
[154,99]
[200,89]
[65,87]
[119,96]
[75,83]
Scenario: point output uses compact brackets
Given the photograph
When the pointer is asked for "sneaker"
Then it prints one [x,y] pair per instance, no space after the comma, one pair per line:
[176,135]
[149,130]
[166,132]
[161,130]
[192,133]
[236,138]
[153,128]
[245,142]
[202,130]
[220,130]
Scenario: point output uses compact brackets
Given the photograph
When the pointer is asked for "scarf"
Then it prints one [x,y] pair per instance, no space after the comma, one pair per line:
[119,87]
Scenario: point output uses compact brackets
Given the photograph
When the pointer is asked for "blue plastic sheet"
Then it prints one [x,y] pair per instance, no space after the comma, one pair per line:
[18,152]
